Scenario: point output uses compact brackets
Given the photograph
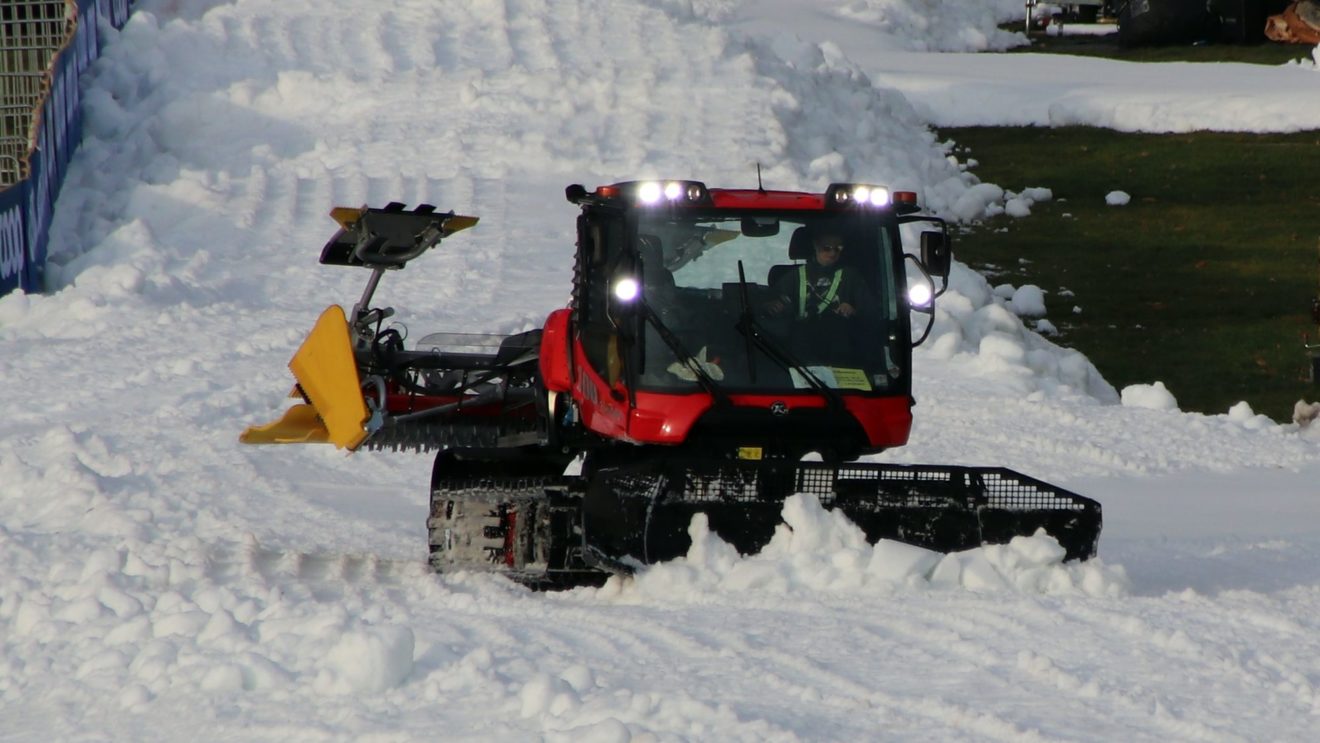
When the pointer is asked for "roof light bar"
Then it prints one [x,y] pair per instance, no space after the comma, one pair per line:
[857,195]
[656,193]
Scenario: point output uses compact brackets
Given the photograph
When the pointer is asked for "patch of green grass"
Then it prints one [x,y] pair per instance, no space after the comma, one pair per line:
[1203,281]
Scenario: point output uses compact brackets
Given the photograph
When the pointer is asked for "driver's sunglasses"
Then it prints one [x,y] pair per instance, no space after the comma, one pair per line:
[834,247]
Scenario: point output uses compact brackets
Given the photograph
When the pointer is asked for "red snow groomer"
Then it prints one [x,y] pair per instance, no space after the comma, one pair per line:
[715,338]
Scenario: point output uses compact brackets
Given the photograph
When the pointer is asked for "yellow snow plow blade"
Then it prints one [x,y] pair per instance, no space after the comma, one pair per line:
[327,376]
[299,425]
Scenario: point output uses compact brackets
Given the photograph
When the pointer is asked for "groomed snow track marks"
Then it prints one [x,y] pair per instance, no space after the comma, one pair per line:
[326,575]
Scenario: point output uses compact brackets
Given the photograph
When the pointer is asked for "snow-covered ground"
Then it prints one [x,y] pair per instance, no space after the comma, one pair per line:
[160,582]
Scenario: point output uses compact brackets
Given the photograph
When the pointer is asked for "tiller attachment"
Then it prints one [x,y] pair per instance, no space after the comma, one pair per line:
[643,511]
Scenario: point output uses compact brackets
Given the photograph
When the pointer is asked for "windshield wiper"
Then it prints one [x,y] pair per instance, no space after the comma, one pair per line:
[746,316]
[703,377]
[752,331]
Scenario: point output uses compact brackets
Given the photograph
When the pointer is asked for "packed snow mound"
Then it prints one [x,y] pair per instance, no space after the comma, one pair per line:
[936,25]
[1242,414]
[819,550]
[980,327]
[1153,396]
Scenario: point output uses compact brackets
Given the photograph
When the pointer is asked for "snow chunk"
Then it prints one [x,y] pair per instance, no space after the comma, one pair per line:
[1028,301]
[1017,207]
[1037,194]
[1151,396]
[977,202]
[900,562]
[546,695]
[1117,198]
[368,660]
[1243,415]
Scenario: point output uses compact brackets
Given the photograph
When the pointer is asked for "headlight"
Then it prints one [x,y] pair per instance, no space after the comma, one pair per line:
[649,192]
[626,289]
[919,295]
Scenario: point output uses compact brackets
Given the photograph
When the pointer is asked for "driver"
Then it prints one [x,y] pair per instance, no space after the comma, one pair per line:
[822,287]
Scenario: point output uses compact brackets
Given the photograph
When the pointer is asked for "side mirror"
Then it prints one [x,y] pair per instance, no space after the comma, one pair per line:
[936,253]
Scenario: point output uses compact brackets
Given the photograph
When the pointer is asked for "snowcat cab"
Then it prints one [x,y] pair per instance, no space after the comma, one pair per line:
[699,326]
[701,360]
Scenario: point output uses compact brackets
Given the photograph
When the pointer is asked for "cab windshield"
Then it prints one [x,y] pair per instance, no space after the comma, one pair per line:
[768,302]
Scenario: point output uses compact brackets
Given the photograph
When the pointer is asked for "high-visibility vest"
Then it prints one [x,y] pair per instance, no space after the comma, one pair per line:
[825,301]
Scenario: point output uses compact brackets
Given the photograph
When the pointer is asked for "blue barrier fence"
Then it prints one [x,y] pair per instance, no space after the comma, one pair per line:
[26,206]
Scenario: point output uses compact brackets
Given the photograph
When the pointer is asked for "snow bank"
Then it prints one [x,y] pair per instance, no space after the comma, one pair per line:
[937,25]
[820,550]
[888,25]
[980,328]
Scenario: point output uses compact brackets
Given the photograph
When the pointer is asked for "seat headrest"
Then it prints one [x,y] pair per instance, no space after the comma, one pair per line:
[799,246]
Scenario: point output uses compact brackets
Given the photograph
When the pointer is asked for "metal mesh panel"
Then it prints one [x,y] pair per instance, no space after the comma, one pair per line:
[997,488]
[644,509]
[31,32]
[867,486]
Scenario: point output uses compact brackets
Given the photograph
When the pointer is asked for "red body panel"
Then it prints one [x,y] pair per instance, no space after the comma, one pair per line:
[556,371]
[661,418]
[603,409]
[667,419]
[886,420]
[747,199]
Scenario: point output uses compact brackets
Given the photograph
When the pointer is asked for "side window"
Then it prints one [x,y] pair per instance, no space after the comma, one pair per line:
[595,235]
[885,286]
